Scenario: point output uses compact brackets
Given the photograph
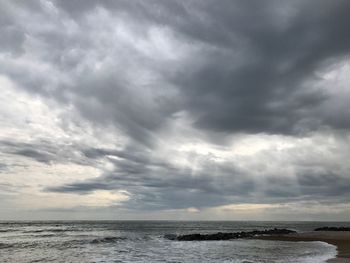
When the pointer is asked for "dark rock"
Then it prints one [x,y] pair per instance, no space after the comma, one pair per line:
[227,236]
[326,228]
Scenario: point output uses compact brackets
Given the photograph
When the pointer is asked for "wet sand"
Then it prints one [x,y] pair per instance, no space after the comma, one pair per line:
[340,239]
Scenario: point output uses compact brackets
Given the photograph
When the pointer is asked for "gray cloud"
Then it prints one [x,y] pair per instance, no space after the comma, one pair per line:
[46,152]
[267,90]
[253,70]
[160,185]
[3,167]
[157,184]
[251,73]
[231,67]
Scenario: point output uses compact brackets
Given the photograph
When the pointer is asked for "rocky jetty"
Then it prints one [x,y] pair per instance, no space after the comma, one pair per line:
[326,228]
[228,236]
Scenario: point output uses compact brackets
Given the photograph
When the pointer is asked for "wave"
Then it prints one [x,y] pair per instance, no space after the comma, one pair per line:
[46,235]
[64,244]
[47,230]
[107,240]
[4,245]
[7,230]
[19,245]
[326,252]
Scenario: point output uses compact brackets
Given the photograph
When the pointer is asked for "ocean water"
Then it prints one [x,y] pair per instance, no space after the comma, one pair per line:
[143,241]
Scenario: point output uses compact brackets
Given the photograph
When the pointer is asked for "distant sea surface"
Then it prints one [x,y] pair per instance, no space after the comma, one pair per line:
[143,241]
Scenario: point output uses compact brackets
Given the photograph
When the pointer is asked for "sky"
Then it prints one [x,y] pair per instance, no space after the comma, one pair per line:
[182,110]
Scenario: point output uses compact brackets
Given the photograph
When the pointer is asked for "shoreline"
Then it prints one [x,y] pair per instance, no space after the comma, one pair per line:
[339,239]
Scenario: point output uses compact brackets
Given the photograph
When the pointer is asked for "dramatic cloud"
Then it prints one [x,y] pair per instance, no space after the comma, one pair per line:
[151,107]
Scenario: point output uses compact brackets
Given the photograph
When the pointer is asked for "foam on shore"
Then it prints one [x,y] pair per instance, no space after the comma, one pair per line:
[337,238]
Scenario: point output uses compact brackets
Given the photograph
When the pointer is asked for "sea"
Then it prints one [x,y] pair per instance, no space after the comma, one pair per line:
[144,241]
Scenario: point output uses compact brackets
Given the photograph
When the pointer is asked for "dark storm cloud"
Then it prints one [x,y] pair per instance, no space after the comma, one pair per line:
[250,67]
[251,73]
[267,91]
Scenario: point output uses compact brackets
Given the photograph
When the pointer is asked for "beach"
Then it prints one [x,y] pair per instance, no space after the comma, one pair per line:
[339,239]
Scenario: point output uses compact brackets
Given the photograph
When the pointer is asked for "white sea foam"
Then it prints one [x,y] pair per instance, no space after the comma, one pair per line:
[326,251]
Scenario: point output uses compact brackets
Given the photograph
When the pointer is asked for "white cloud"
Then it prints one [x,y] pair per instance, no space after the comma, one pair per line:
[41,201]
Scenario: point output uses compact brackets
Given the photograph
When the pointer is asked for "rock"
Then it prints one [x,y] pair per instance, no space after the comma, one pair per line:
[228,236]
[326,228]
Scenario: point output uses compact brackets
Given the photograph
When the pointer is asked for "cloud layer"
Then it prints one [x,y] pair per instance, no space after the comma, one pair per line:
[175,106]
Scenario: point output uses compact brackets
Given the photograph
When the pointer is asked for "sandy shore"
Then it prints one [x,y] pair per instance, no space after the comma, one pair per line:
[340,239]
